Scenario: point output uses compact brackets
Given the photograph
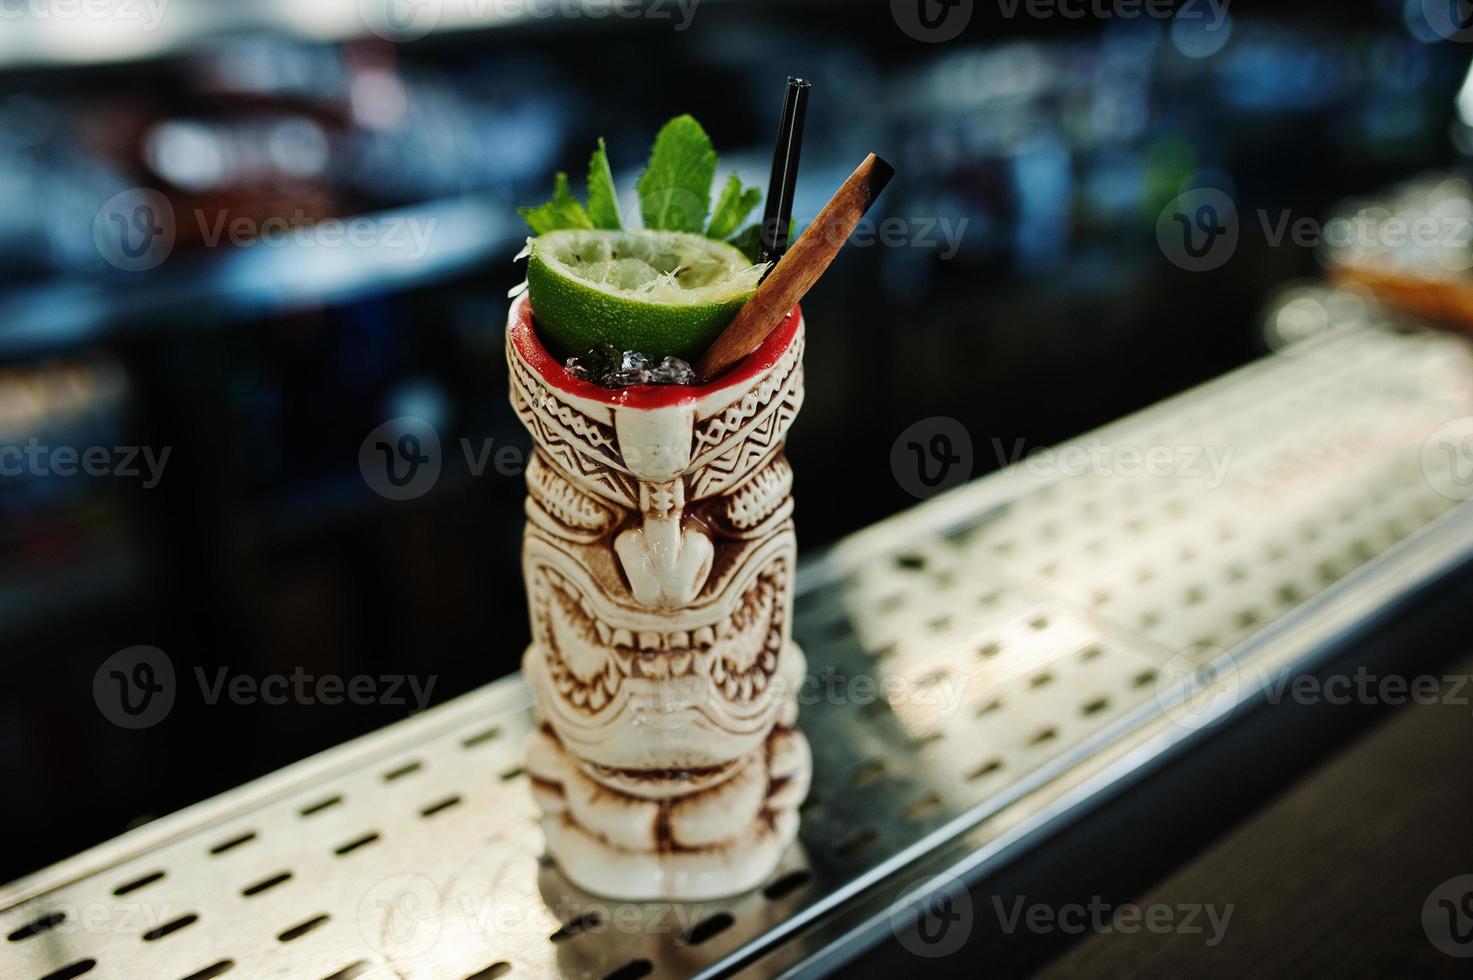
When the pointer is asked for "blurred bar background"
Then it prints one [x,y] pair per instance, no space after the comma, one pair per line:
[1028,299]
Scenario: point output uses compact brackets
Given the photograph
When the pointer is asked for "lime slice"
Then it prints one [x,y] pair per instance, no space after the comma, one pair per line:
[662,293]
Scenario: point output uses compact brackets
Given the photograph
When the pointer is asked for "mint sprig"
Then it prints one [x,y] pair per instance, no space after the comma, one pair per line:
[563,211]
[603,200]
[732,208]
[674,190]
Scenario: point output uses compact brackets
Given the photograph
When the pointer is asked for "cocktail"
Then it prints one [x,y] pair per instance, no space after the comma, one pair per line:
[659,550]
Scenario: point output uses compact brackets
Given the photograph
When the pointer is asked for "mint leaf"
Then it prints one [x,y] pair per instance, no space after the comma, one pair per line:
[603,201]
[732,207]
[563,211]
[675,188]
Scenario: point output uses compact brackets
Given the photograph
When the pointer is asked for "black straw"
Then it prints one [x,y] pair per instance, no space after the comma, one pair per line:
[777,219]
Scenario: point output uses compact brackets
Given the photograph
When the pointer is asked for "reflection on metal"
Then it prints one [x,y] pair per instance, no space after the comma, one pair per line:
[982,667]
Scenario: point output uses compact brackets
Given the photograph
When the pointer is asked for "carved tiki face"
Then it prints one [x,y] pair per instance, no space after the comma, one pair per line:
[659,556]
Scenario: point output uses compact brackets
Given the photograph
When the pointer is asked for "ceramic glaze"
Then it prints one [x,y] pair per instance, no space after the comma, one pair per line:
[659,557]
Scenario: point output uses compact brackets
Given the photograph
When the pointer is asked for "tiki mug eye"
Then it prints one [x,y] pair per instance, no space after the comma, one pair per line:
[560,507]
[752,507]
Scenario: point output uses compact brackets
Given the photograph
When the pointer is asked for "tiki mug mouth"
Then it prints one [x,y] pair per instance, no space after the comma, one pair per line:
[629,688]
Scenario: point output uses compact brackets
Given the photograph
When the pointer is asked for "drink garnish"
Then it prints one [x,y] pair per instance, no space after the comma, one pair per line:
[665,290]
[797,271]
[663,293]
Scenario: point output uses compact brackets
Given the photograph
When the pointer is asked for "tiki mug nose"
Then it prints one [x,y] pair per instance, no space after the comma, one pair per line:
[666,564]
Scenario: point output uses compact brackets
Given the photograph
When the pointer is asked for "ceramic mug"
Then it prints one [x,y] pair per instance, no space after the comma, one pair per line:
[659,557]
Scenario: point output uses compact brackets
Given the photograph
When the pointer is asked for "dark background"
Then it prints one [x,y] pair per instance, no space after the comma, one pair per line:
[263,549]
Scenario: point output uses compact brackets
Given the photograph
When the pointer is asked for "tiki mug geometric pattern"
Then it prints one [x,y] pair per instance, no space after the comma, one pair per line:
[659,557]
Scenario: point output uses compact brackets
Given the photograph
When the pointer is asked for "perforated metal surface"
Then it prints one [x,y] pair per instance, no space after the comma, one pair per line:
[980,666]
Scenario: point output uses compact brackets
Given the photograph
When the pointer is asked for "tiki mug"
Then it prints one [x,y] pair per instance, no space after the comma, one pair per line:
[658,558]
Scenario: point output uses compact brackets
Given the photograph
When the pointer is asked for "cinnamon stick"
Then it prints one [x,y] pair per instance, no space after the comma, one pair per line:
[797,271]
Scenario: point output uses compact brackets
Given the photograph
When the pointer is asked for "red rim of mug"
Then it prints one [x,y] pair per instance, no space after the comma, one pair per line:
[529,346]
